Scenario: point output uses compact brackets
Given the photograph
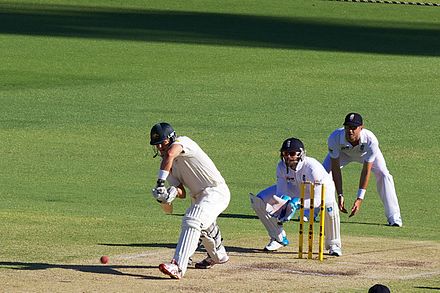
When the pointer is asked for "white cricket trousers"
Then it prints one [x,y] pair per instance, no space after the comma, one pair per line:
[332,225]
[384,184]
[203,212]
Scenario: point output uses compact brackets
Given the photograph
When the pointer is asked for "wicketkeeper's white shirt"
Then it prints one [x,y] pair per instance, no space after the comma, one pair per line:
[310,169]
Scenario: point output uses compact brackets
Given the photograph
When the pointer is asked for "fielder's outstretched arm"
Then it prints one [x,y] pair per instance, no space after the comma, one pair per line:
[363,184]
[337,178]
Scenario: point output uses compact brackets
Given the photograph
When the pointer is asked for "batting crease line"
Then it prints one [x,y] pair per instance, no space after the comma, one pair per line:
[390,2]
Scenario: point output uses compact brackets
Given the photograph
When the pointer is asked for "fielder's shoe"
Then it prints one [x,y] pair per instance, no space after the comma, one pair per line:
[395,221]
[395,224]
[335,251]
[171,269]
[208,262]
[275,245]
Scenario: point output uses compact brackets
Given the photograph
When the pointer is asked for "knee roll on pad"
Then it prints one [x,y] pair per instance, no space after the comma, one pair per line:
[213,235]
[212,241]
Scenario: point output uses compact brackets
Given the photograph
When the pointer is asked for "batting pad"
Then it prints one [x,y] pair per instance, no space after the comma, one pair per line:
[189,237]
[270,223]
[212,241]
[332,229]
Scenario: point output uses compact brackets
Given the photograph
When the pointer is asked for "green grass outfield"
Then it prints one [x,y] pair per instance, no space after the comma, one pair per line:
[82,82]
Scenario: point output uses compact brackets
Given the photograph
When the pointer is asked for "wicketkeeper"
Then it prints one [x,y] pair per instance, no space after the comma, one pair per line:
[277,204]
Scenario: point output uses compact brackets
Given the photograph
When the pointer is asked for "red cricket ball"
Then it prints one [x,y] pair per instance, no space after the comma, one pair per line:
[104,259]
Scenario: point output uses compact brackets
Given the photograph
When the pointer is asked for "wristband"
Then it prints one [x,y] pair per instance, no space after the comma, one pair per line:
[340,195]
[162,174]
[361,193]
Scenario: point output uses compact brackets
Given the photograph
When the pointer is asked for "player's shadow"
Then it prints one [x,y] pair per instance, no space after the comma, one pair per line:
[147,245]
[347,222]
[227,216]
[96,269]
[236,249]
[428,288]
[362,223]
[237,216]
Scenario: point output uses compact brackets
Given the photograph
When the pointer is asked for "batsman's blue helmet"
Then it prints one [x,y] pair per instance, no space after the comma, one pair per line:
[160,132]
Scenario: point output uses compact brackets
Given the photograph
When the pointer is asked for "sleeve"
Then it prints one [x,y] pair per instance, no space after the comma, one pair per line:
[372,151]
[282,186]
[333,146]
[189,147]
[173,180]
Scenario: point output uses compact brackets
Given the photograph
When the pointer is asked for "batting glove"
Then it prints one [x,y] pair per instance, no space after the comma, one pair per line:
[160,193]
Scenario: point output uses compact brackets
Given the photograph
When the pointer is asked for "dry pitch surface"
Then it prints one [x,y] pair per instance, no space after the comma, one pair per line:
[366,261]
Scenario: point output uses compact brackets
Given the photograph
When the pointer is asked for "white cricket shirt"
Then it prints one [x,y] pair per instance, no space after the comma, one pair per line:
[310,169]
[193,168]
[365,151]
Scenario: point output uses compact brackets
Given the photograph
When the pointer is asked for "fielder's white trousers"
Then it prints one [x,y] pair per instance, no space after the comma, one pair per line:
[384,184]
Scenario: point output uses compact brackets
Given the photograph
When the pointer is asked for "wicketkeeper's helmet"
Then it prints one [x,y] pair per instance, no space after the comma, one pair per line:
[293,145]
[160,132]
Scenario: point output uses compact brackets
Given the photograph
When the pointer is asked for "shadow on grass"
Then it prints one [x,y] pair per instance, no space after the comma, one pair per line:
[149,245]
[228,216]
[199,249]
[97,269]
[219,29]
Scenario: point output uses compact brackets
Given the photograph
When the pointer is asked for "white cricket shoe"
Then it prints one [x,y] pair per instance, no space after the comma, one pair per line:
[208,262]
[395,224]
[395,221]
[171,269]
[275,245]
[335,251]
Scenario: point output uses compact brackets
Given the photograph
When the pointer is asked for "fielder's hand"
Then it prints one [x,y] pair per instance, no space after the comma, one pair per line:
[356,207]
[341,204]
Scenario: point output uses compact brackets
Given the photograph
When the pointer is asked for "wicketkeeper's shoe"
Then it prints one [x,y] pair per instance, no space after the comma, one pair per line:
[208,262]
[275,245]
[171,269]
[335,251]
